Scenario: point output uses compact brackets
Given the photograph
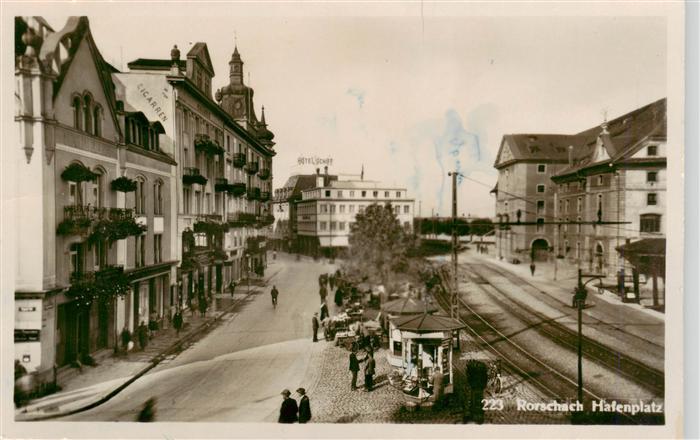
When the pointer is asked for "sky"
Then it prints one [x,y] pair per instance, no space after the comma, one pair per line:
[409,97]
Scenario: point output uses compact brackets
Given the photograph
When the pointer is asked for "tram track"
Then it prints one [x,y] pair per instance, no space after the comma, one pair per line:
[620,363]
[524,283]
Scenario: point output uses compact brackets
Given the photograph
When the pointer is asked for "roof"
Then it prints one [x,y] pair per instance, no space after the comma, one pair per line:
[624,134]
[426,323]
[645,247]
[408,306]
[200,51]
[153,64]
[301,182]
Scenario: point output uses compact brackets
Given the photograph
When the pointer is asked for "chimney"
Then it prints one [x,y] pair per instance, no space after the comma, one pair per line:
[318,171]
[175,61]
[571,155]
[325,170]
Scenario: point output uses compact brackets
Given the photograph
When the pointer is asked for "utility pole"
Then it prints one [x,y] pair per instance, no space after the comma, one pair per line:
[580,294]
[455,289]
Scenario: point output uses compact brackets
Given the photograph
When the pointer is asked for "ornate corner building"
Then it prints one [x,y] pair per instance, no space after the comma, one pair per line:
[136,192]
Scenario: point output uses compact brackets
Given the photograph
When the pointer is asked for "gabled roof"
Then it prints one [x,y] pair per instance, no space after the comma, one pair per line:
[200,52]
[626,136]
[535,146]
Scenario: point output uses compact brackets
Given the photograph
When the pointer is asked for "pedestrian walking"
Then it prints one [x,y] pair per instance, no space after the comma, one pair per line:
[148,412]
[369,371]
[314,326]
[323,293]
[331,281]
[339,296]
[354,368]
[289,409]
[532,269]
[232,287]
[274,293]
[324,311]
[126,338]
[142,335]
[304,406]
[177,322]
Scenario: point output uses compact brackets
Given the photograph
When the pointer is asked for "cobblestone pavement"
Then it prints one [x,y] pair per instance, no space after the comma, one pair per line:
[334,402]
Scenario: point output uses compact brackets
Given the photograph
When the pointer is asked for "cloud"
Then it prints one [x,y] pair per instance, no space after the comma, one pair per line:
[358,94]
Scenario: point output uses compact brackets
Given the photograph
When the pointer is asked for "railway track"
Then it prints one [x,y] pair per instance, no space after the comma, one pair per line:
[621,364]
[519,361]
[551,299]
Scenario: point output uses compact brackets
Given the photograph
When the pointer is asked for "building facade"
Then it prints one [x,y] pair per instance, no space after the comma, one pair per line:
[284,206]
[326,212]
[224,155]
[614,173]
[100,225]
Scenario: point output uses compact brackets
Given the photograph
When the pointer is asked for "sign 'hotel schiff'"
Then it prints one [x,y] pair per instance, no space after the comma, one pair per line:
[137,193]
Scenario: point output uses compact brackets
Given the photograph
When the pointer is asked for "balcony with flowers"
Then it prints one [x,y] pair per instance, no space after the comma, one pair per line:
[203,143]
[253,193]
[103,285]
[252,168]
[240,219]
[239,160]
[192,175]
[264,173]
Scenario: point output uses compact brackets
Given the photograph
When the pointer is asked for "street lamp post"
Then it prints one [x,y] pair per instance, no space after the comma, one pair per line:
[247,259]
[579,302]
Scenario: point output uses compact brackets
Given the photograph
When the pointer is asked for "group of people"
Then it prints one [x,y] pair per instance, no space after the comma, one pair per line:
[290,412]
[370,369]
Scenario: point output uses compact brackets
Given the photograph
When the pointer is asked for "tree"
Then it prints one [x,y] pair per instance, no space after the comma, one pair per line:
[378,244]
[481,226]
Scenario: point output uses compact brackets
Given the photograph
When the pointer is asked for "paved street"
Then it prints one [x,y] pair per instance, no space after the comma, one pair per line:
[237,372]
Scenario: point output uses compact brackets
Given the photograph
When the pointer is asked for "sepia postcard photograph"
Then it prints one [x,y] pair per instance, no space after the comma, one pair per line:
[396,220]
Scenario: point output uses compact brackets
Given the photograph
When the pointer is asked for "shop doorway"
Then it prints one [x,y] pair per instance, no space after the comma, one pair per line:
[540,250]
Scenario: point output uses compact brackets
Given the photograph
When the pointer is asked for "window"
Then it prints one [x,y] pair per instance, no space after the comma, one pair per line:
[364,193]
[397,209]
[397,348]
[322,226]
[332,209]
[386,194]
[342,209]
[140,250]
[140,197]
[407,225]
[375,193]
[352,209]
[540,206]
[73,194]
[77,258]
[352,193]
[197,202]
[652,150]
[406,209]
[361,209]
[207,203]
[600,180]
[341,226]
[328,193]
[334,226]
[599,212]
[98,190]
[186,200]
[578,250]
[340,194]
[566,206]
[540,188]
[651,176]
[87,114]
[97,120]
[578,204]
[540,225]
[398,194]
[158,198]
[578,226]
[100,254]
[76,113]
[651,199]
[157,248]
[650,223]
[541,168]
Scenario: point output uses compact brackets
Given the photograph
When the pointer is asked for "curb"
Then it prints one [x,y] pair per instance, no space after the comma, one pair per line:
[157,359]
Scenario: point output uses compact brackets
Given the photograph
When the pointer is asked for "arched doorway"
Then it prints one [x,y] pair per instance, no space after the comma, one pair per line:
[599,258]
[540,249]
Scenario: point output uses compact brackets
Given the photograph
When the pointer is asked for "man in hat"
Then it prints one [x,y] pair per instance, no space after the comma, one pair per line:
[369,371]
[288,410]
[354,368]
[304,406]
[314,325]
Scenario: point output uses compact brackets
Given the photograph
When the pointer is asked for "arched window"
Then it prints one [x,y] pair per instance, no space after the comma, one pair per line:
[140,196]
[98,189]
[97,120]
[87,114]
[76,112]
[158,198]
